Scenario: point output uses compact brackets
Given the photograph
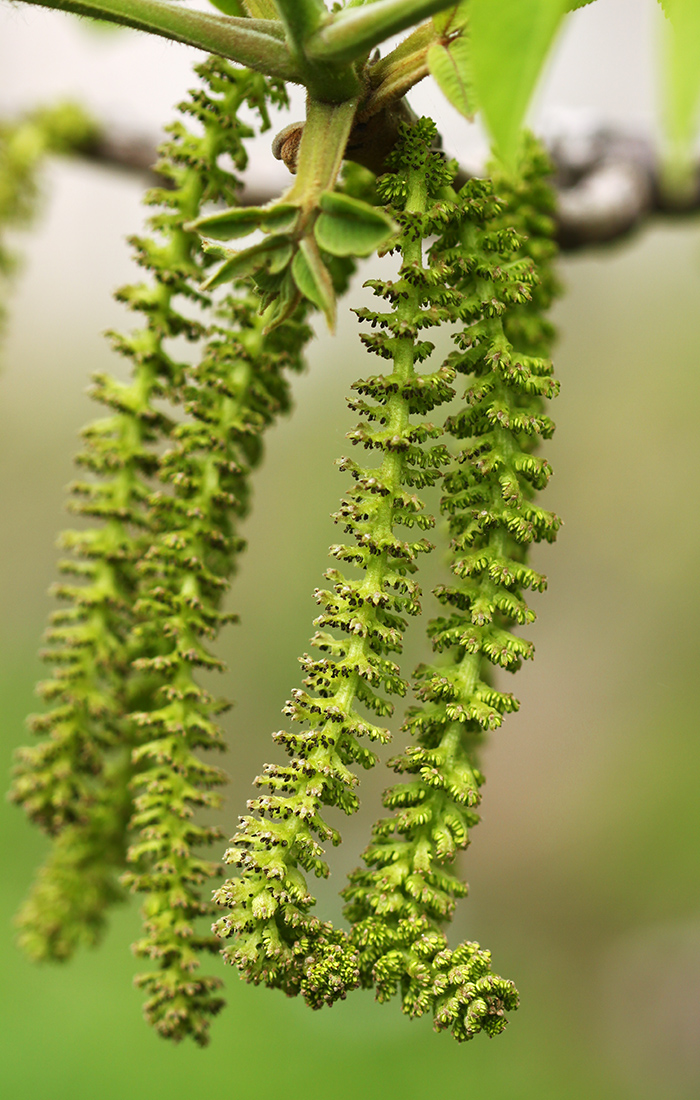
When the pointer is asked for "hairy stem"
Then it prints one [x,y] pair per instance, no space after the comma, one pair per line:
[258,44]
[322,150]
[350,34]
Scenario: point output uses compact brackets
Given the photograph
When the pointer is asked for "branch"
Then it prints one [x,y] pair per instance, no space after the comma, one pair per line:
[257,43]
[608,182]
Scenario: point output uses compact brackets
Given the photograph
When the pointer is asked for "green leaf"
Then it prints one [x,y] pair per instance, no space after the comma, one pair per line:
[510,40]
[452,19]
[313,279]
[261,9]
[349,227]
[280,306]
[450,66]
[273,255]
[230,7]
[682,72]
[239,221]
[278,255]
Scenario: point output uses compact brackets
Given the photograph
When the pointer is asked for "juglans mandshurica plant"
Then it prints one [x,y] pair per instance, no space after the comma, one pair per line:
[122,778]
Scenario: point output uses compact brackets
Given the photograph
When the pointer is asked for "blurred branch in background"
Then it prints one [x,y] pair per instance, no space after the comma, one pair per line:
[609,181]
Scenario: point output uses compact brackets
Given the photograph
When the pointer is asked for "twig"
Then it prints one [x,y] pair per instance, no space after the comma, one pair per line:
[608,181]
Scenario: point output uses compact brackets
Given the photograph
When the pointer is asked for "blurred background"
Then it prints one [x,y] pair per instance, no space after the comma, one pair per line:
[584,871]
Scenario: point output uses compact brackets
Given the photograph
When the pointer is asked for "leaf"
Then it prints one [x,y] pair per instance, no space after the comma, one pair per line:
[230,7]
[239,221]
[278,256]
[281,306]
[350,227]
[313,279]
[510,40]
[281,218]
[682,71]
[450,66]
[273,255]
[452,19]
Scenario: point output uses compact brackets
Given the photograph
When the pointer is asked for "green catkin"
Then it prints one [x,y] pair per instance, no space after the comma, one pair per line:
[235,392]
[117,781]
[90,640]
[400,900]
[67,906]
[529,207]
[24,144]
[275,939]
[73,782]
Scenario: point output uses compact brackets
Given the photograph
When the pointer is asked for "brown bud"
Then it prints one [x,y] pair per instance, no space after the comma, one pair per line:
[285,146]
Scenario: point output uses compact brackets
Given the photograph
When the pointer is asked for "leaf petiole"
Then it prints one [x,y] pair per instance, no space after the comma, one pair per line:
[351,33]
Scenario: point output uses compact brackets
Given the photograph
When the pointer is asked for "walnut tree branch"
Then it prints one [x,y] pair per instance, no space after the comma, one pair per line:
[609,182]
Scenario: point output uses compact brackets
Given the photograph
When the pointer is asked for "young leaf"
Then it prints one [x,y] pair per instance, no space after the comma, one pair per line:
[452,19]
[239,221]
[273,255]
[313,279]
[450,66]
[278,255]
[230,7]
[682,71]
[349,227]
[261,9]
[509,40]
[277,306]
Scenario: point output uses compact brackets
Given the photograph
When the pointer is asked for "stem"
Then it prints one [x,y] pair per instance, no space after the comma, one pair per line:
[353,32]
[322,149]
[417,42]
[329,83]
[301,18]
[396,74]
[255,43]
[391,91]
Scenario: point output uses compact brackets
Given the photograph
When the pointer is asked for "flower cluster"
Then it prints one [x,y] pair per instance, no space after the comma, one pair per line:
[117,762]
[275,938]
[119,781]
[399,901]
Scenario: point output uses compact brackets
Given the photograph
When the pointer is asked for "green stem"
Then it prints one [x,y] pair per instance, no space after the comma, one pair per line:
[255,43]
[353,32]
[417,42]
[322,149]
[330,83]
[301,18]
[395,82]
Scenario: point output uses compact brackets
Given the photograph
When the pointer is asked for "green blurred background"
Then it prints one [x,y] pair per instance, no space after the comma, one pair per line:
[584,871]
